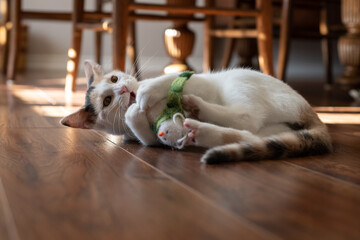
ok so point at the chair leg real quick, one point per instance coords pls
(208, 41)
(326, 54)
(98, 39)
(284, 42)
(264, 26)
(74, 51)
(14, 43)
(120, 32)
(326, 45)
(132, 50)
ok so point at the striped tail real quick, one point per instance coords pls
(313, 139)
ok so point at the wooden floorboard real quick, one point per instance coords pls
(290, 201)
(61, 183)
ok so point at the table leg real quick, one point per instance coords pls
(179, 41)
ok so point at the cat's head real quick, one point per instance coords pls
(108, 96)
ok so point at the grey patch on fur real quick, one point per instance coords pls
(91, 80)
(295, 126)
(88, 105)
(214, 156)
(276, 147)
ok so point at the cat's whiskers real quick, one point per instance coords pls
(127, 131)
(115, 117)
(137, 60)
(143, 67)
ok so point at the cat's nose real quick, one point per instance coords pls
(123, 90)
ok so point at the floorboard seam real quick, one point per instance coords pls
(9, 218)
(322, 174)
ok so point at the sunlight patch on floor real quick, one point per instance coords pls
(50, 111)
(340, 118)
(339, 115)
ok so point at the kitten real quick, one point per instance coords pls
(241, 114)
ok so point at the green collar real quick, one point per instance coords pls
(174, 100)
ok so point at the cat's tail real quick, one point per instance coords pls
(311, 138)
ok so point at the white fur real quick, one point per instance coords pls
(239, 98)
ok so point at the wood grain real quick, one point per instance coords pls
(298, 203)
(60, 186)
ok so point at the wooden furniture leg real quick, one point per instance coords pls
(264, 26)
(349, 44)
(120, 32)
(132, 50)
(208, 40)
(326, 45)
(98, 39)
(284, 41)
(15, 7)
(4, 36)
(326, 50)
(179, 41)
(74, 51)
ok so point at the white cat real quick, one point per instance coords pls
(242, 114)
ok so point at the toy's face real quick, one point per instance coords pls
(172, 134)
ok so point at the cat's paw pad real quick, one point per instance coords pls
(192, 126)
(190, 104)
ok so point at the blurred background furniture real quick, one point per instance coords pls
(15, 18)
(104, 23)
(126, 12)
(293, 19)
(5, 27)
(349, 45)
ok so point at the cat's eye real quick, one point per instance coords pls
(107, 101)
(113, 78)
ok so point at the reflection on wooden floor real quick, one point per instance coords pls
(62, 183)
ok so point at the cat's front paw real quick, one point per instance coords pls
(132, 114)
(147, 96)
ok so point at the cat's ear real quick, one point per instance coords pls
(93, 71)
(79, 119)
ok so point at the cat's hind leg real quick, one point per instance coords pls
(209, 135)
(220, 115)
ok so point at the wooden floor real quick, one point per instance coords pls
(62, 183)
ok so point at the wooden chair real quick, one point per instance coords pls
(16, 17)
(125, 13)
(102, 22)
(324, 30)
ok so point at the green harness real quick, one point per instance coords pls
(174, 100)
